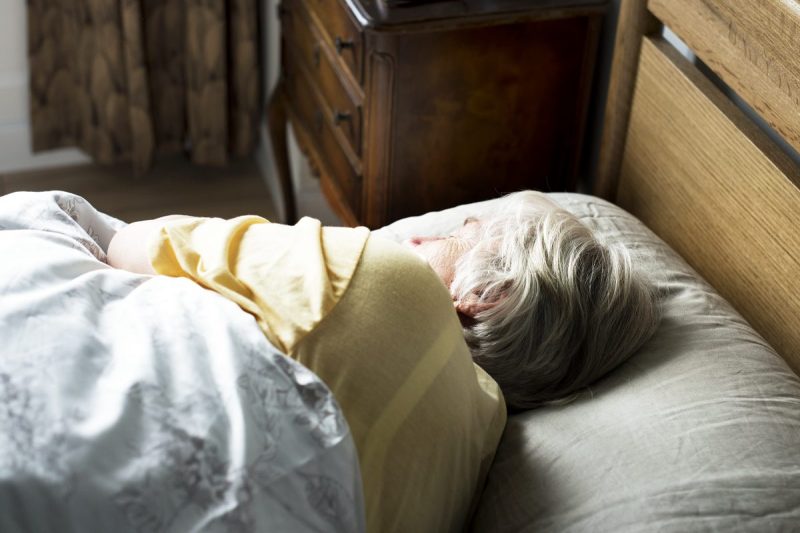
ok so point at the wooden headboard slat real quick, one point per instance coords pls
(753, 45)
(710, 183)
(633, 21)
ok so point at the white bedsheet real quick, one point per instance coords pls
(137, 403)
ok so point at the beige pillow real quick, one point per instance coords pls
(700, 430)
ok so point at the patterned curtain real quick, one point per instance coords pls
(127, 79)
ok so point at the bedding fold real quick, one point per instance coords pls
(139, 403)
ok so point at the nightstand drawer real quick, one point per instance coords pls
(434, 96)
(326, 148)
(343, 35)
(305, 43)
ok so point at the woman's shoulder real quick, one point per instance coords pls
(400, 284)
(397, 265)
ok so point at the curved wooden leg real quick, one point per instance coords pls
(276, 122)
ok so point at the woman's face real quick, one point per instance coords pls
(442, 253)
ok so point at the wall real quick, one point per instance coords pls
(15, 146)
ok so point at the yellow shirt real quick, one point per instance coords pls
(374, 322)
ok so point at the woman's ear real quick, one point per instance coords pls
(471, 305)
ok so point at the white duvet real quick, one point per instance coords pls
(137, 403)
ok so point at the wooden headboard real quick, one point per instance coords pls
(678, 154)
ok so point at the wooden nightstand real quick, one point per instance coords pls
(426, 105)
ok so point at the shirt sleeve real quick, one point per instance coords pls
(288, 277)
(204, 250)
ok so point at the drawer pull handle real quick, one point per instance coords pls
(342, 44)
(340, 116)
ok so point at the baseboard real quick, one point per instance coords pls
(16, 154)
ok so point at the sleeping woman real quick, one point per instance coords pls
(424, 344)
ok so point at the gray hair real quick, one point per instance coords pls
(570, 307)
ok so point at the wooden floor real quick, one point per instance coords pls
(172, 186)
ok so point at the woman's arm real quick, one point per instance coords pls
(128, 248)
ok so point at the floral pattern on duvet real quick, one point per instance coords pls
(135, 403)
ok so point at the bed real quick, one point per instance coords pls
(698, 431)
